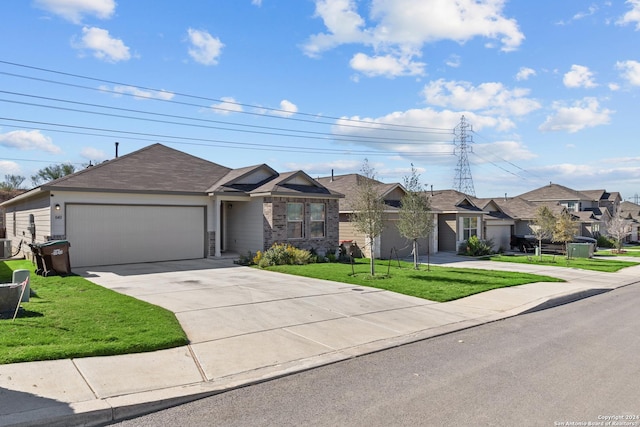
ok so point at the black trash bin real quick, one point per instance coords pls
(55, 256)
(35, 250)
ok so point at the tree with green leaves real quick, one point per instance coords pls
(368, 209)
(543, 226)
(12, 182)
(415, 220)
(565, 230)
(52, 172)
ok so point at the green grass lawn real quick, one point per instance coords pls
(608, 265)
(627, 251)
(439, 284)
(72, 317)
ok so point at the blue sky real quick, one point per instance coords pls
(549, 89)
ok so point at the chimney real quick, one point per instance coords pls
(432, 189)
(505, 197)
(117, 143)
(331, 175)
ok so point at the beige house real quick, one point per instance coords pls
(631, 211)
(390, 243)
(159, 204)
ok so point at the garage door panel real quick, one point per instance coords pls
(122, 234)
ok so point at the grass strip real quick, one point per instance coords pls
(440, 284)
(594, 264)
(72, 317)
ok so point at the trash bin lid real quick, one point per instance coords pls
(54, 242)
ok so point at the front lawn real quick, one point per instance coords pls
(72, 317)
(626, 251)
(440, 284)
(608, 265)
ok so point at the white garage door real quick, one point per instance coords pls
(123, 234)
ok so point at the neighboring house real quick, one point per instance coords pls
(159, 204)
(498, 224)
(459, 218)
(631, 211)
(390, 242)
(591, 208)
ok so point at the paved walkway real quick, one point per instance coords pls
(247, 325)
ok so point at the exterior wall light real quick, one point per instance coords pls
(57, 207)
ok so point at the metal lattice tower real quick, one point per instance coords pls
(463, 181)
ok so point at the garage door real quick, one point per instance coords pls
(123, 234)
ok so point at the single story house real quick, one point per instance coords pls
(159, 204)
(458, 218)
(390, 243)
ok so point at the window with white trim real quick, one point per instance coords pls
(317, 219)
(469, 227)
(295, 220)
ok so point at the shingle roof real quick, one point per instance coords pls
(287, 184)
(347, 184)
(452, 201)
(156, 168)
(554, 192)
(630, 208)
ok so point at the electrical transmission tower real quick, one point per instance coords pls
(463, 181)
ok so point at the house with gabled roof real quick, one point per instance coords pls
(390, 243)
(159, 204)
(631, 212)
(458, 218)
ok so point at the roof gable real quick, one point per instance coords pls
(295, 183)
(554, 192)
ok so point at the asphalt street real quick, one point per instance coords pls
(572, 364)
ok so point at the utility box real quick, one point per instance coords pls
(580, 250)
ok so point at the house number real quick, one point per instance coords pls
(58, 217)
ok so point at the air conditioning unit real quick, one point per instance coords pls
(5, 248)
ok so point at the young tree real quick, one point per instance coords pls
(565, 229)
(52, 172)
(618, 228)
(543, 225)
(12, 182)
(368, 209)
(415, 219)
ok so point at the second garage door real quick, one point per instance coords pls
(123, 234)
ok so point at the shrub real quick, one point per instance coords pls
(476, 247)
(606, 242)
(281, 254)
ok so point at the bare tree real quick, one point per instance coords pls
(52, 172)
(565, 230)
(618, 228)
(368, 210)
(543, 225)
(415, 219)
(12, 182)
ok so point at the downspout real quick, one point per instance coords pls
(217, 203)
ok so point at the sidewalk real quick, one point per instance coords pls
(247, 326)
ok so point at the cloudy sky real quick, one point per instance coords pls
(549, 90)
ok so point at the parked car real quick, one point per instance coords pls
(528, 243)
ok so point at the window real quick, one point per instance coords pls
(295, 220)
(469, 227)
(317, 220)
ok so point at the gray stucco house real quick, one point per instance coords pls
(159, 204)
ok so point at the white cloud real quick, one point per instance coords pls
(630, 71)
(524, 73)
(613, 86)
(503, 150)
(633, 15)
(386, 65)
(400, 28)
(585, 113)
(140, 93)
(28, 140)
(287, 108)
(227, 106)
(104, 46)
(205, 49)
(453, 61)
(74, 10)
(491, 97)
(9, 168)
(256, 2)
(93, 154)
(579, 76)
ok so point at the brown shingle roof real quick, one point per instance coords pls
(554, 192)
(156, 168)
(347, 184)
(452, 201)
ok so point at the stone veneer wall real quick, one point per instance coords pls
(212, 243)
(275, 224)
